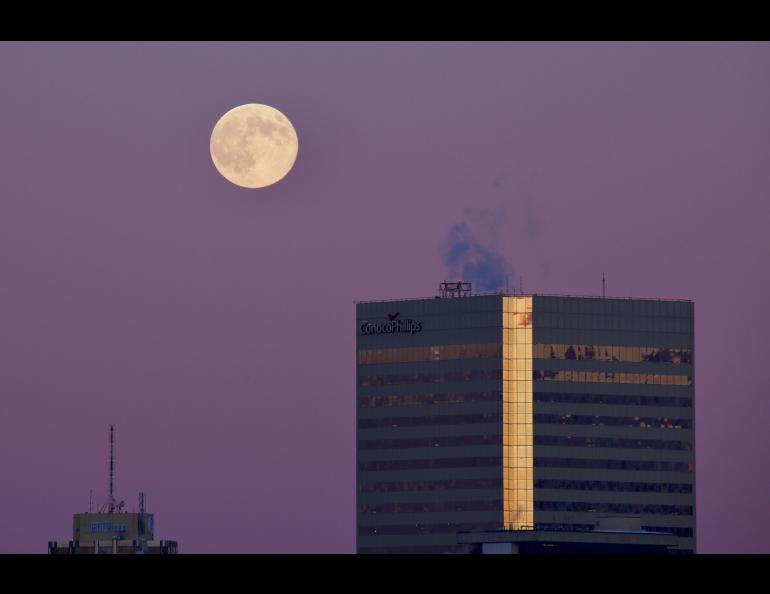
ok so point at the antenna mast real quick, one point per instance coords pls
(111, 502)
(521, 285)
(603, 286)
(141, 502)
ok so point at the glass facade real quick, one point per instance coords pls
(518, 509)
(429, 425)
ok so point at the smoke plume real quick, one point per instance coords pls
(468, 260)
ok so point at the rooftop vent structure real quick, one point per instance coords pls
(454, 289)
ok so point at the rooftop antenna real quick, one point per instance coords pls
(141, 502)
(521, 285)
(90, 500)
(506, 284)
(603, 286)
(111, 501)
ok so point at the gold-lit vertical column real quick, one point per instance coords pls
(518, 484)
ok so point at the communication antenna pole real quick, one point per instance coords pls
(603, 286)
(90, 500)
(521, 285)
(141, 502)
(111, 502)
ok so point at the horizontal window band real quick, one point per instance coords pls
(430, 420)
(633, 487)
(611, 421)
(619, 508)
(545, 440)
(657, 466)
(550, 419)
(430, 485)
(612, 442)
(379, 465)
(429, 398)
(425, 378)
(430, 506)
(426, 442)
(438, 528)
(624, 354)
(611, 377)
(446, 352)
(632, 400)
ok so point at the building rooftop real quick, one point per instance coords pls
(502, 294)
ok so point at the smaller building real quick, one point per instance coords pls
(113, 533)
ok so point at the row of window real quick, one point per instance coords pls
(430, 442)
(626, 354)
(623, 399)
(446, 352)
(549, 419)
(424, 378)
(540, 462)
(608, 377)
(442, 528)
(476, 461)
(614, 508)
(543, 440)
(612, 442)
(496, 504)
(430, 485)
(614, 486)
(602, 421)
(603, 377)
(431, 506)
(430, 420)
(567, 352)
(497, 396)
(609, 322)
(497, 483)
(430, 398)
(655, 466)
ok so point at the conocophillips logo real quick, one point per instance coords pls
(392, 326)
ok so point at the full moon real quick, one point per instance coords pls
(253, 145)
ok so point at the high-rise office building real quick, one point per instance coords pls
(524, 415)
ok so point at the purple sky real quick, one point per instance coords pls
(214, 326)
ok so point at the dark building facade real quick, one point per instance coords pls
(113, 533)
(525, 413)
